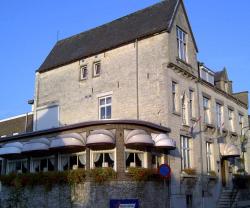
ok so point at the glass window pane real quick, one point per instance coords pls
(108, 112)
(108, 100)
(73, 161)
(102, 113)
(102, 101)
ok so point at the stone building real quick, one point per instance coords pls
(131, 93)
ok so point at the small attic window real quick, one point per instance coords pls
(181, 44)
(84, 72)
(96, 69)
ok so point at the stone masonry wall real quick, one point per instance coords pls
(87, 195)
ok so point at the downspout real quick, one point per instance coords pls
(201, 141)
(137, 80)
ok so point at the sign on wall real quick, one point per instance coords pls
(124, 203)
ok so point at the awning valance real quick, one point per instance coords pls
(229, 150)
(36, 145)
(163, 141)
(138, 138)
(67, 141)
(11, 149)
(101, 137)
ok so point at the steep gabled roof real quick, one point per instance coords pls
(154, 19)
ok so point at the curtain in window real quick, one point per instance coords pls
(96, 156)
(82, 159)
(140, 156)
(111, 155)
(64, 161)
(127, 155)
(36, 164)
(25, 164)
(11, 167)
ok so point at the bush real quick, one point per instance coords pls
(141, 174)
(101, 175)
(46, 179)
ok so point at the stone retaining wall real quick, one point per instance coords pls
(87, 195)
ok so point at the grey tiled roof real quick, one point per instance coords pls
(154, 19)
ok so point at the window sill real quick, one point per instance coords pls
(209, 126)
(185, 175)
(193, 119)
(176, 113)
(83, 79)
(95, 76)
(183, 62)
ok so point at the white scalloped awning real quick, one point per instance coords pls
(67, 141)
(163, 141)
(36, 145)
(11, 149)
(138, 138)
(229, 150)
(100, 137)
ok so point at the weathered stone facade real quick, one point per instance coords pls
(139, 76)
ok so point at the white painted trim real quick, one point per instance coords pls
(15, 117)
(104, 94)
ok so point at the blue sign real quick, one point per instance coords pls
(165, 171)
(124, 203)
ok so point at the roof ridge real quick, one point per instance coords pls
(116, 20)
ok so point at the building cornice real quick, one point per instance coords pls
(187, 72)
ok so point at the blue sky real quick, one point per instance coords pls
(28, 31)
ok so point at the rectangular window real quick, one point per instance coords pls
(17, 166)
(43, 164)
(231, 119)
(219, 118)
(207, 75)
(186, 152)
(97, 69)
(174, 96)
(156, 160)
(206, 109)
(241, 121)
(103, 159)
(84, 72)
(72, 161)
(105, 107)
(181, 44)
(134, 158)
(209, 153)
(191, 103)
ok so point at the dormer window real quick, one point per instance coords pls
(181, 44)
(206, 75)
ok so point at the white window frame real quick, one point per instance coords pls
(181, 44)
(60, 167)
(33, 159)
(241, 120)
(95, 65)
(105, 105)
(174, 96)
(144, 162)
(92, 152)
(186, 152)
(191, 103)
(209, 156)
(83, 75)
(16, 161)
(231, 119)
(206, 109)
(219, 115)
